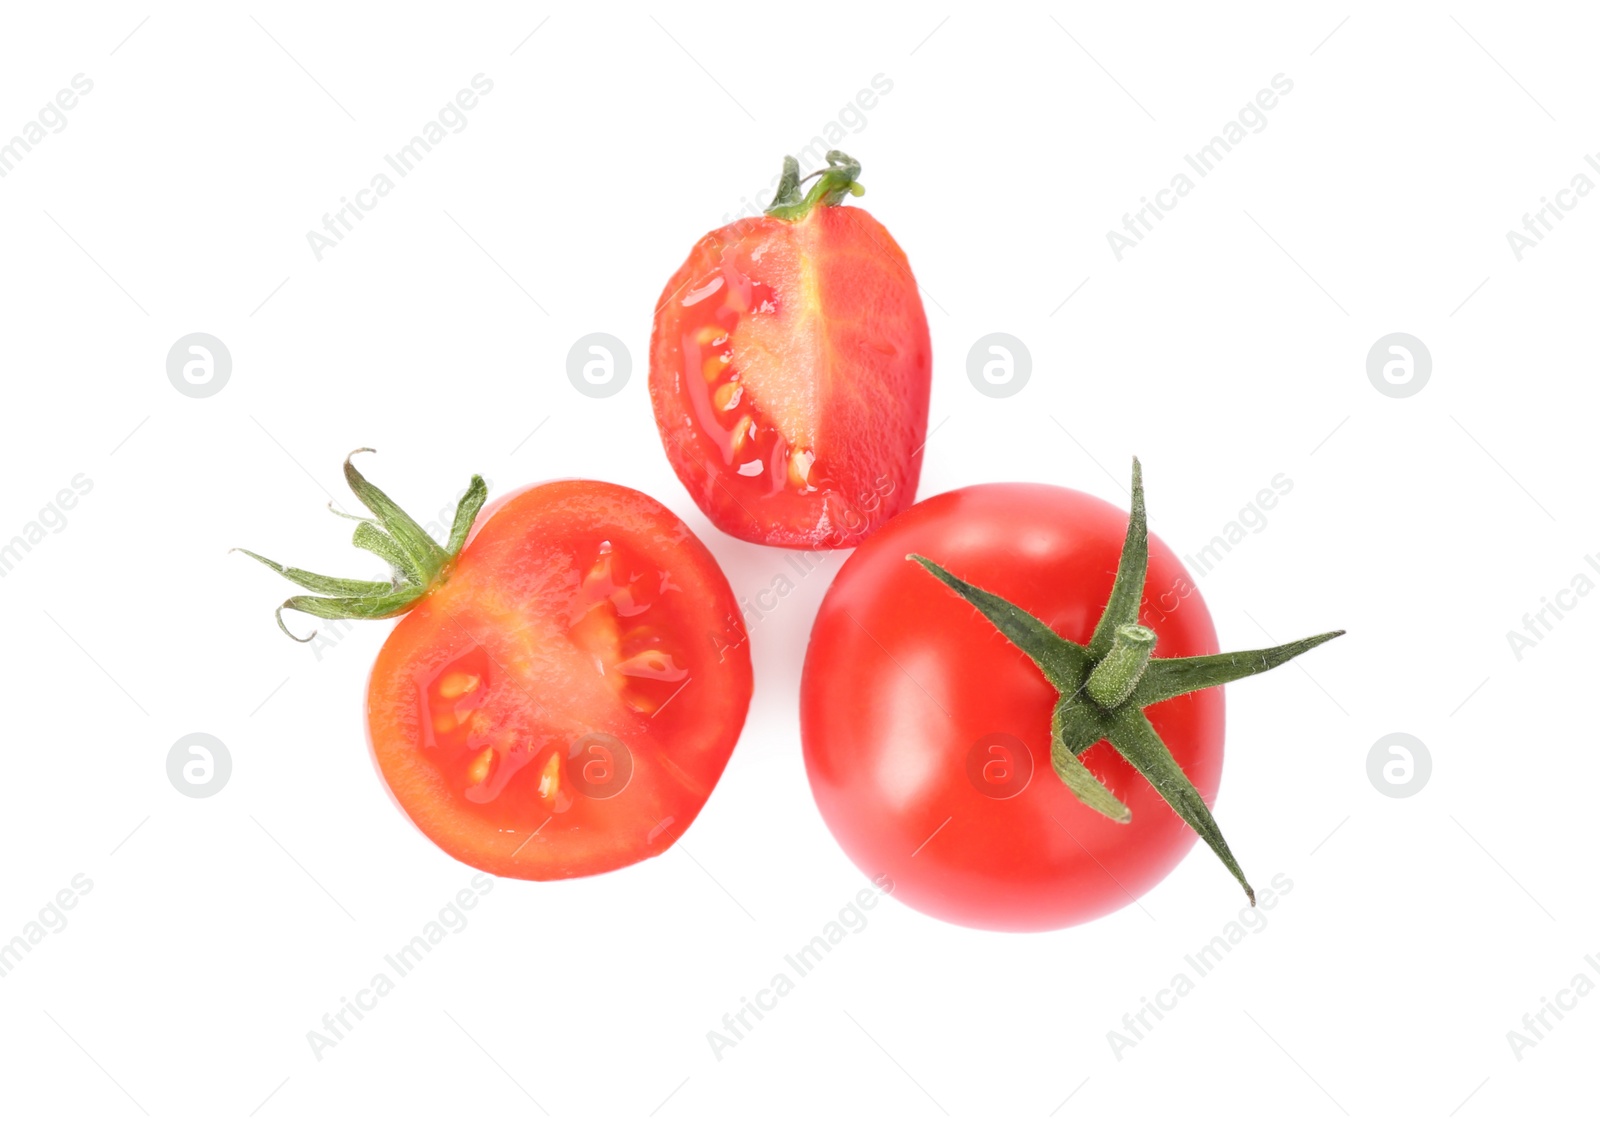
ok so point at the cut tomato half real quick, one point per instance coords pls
(565, 701)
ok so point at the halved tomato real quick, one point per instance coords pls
(560, 699)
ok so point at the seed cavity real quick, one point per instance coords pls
(625, 646)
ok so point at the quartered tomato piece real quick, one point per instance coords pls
(567, 683)
(789, 370)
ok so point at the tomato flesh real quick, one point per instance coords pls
(565, 701)
(790, 365)
(926, 732)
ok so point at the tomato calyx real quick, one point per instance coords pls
(833, 183)
(1105, 685)
(418, 563)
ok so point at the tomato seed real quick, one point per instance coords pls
(550, 780)
(482, 766)
(800, 462)
(457, 684)
(651, 663)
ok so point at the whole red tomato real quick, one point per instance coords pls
(789, 369)
(928, 733)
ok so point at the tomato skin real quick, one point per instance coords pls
(819, 326)
(560, 591)
(903, 679)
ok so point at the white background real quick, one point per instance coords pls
(1228, 347)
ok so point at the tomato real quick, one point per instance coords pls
(562, 696)
(1037, 776)
(927, 733)
(789, 371)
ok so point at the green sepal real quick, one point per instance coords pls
(1166, 677)
(1136, 740)
(416, 544)
(466, 514)
(371, 537)
(393, 604)
(1074, 728)
(1078, 723)
(1127, 592)
(1064, 663)
(322, 583)
(788, 193)
(417, 562)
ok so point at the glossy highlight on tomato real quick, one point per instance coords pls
(789, 373)
(927, 733)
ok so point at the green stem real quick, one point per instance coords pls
(1115, 677)
(832, 184)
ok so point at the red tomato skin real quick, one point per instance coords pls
(515, 560)
(833, 288)
(902, 677)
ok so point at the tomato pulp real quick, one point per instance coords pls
(927, 733)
